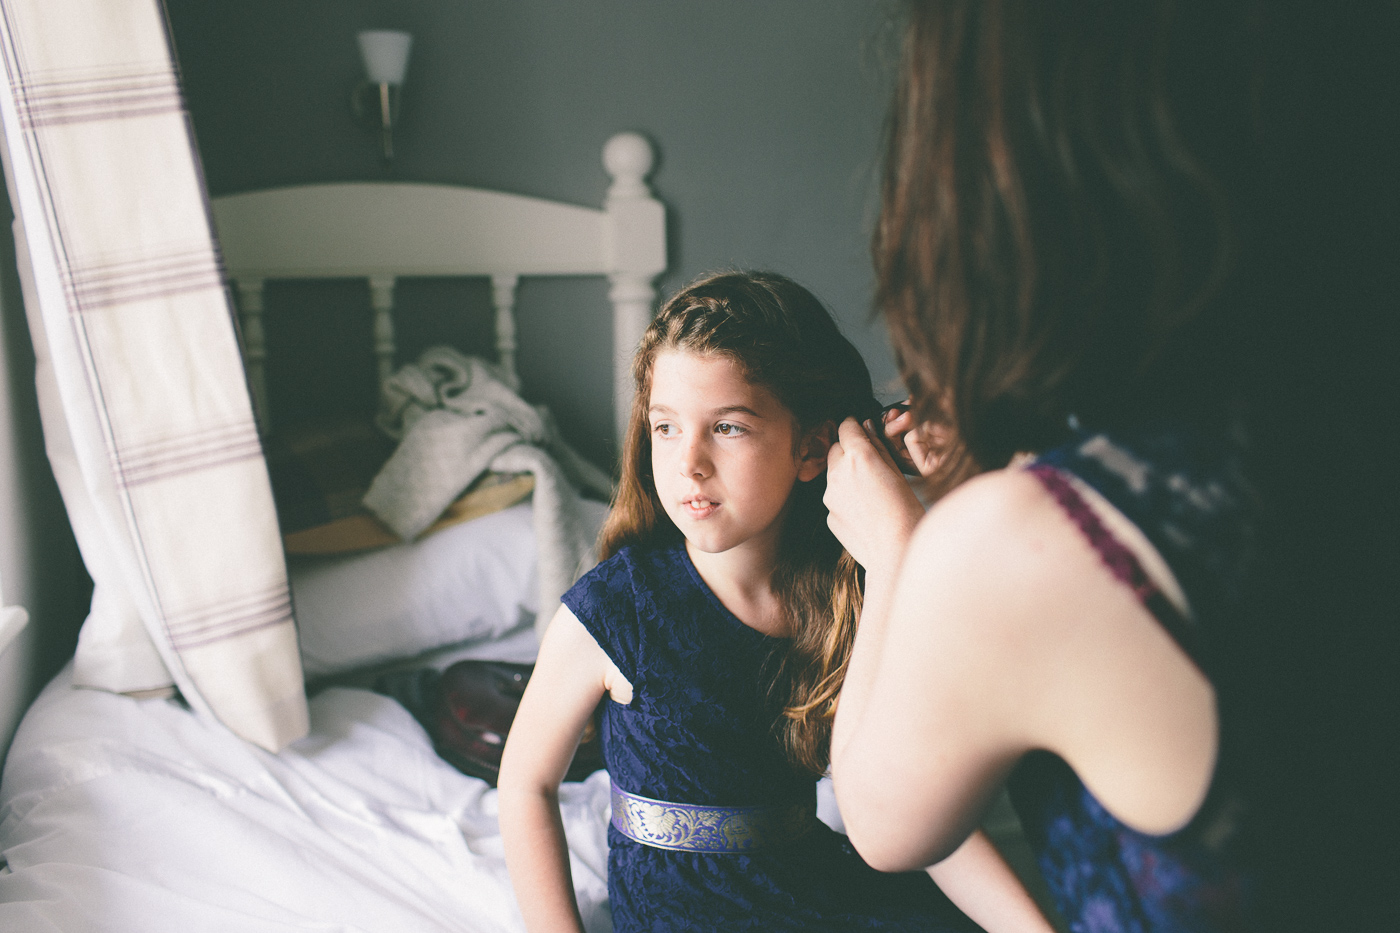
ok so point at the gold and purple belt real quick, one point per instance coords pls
(690, 828)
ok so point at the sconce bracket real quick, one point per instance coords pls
(376, 107)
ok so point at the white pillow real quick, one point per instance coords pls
(469, 581)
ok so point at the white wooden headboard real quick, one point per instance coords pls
(384, 230)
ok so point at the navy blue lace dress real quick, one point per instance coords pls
(1187, 496)
(699, 730)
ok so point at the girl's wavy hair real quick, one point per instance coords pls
(1061, 228)
(785, 340)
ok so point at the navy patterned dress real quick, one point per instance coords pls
(699, 730)
(1187, 496)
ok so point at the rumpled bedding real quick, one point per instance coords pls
(455, 418)
(119, 814)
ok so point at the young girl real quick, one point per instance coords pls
(718, 625)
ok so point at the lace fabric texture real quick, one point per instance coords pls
(699, 731)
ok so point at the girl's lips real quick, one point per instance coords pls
(699, 506)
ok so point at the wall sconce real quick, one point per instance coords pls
(376, 100)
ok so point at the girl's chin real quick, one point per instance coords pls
(707, 543)
(719, 542)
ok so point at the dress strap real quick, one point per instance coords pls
(690, 828)
(1120, 561)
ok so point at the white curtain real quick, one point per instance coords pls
(145, 408)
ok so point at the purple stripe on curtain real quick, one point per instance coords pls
(53, 103)
(97, 286)
(230, 619)
(143, 463)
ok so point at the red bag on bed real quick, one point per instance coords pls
(467, 710)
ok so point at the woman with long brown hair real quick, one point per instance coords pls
(1148, 243)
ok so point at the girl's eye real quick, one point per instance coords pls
(725, 429)
(662, 428)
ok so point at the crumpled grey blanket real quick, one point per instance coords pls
(455, 418)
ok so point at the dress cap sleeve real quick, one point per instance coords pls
(605, 601)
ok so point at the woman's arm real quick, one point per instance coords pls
(1006, 631)
(873, 512)
(569, 679)
(942, 692)
(930, 722)
(978, 880)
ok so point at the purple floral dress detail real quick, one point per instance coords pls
(700, 730)
(1186, 494)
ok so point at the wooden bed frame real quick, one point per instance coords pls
(384, 230)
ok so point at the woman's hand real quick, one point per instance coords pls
(911, 442)
(873, 510)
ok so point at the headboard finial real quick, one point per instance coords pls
(635, 246)
(628, 157)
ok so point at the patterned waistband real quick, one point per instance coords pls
(691, 828)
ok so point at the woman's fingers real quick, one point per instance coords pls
(898, 420)
(918, 443)
(899, 428)
(924, 444)
(871, 508)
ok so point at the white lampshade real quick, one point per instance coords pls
(385, 52)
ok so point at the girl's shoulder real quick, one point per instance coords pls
(635, 563)
(604, 583)
(622, 596)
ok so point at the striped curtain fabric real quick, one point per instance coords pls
(145, 407)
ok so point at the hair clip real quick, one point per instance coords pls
(901, 459)
(899, 407)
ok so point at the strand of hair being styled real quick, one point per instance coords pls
(785, 340)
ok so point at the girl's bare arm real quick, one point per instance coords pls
(569, 679)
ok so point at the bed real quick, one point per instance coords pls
(119, 812)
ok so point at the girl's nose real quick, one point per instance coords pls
(695, 460)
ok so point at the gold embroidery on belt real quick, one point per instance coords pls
(691, 828)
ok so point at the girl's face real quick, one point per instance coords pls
(724, 453)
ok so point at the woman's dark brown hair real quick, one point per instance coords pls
(784, 340)
(1052, 229)
(1184, 213)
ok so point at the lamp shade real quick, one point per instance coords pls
(385, 52)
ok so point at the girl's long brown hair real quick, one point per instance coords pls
(784, 340)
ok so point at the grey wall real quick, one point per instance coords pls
(767, 116)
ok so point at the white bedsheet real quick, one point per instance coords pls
(119, 814)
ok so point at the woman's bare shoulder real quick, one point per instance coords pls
(995, 502)
(1035, 627)
(994, 534)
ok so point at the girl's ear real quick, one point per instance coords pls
(813, 449)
